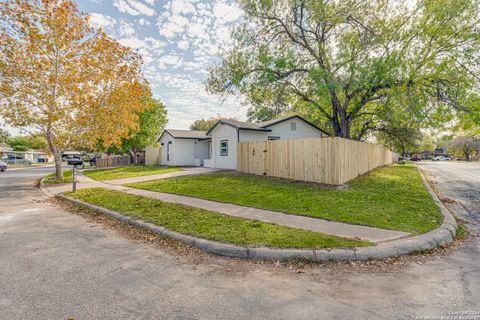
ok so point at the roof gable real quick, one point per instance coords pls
(270, 123)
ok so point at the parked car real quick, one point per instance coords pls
(415, 158)
(75, 161)
(3, 166)
(17, 161)
(441, 158)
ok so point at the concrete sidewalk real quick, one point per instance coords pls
(185, 172)
(301, 222)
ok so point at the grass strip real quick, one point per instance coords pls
(67, 178)
(211, 225)
(392, 197)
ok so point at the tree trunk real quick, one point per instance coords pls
(133, 154)
(345, 125)
(57, 156)
(58, 166)
(467, 155)
(340, 120)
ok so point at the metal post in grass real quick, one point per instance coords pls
(74, 178)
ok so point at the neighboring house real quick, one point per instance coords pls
(31, 155)
(183, 147)
(441, 152)
(225, 135)
(425, 155)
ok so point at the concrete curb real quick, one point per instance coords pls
(395, 248)
(44, 188)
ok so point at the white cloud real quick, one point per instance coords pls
(143, 22)
(126, 29)
(133, 7)
(205, 26)
(226, 12)
(98, 20)
(172, 25)
(182, 7)
(133, 43)
(183, 44)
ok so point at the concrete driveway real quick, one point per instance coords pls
(58, 265)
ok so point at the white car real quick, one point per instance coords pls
(3, 166)
(441, 158)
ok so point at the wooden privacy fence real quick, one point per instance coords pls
(114, 161)
(323, 160)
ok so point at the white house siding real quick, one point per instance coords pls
(283, 131)
(223, 132)
(184, 152)
(304, 130)
(249, 135)
(181, 151)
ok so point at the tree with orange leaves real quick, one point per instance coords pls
(62, 77)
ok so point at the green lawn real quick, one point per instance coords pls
(392, 197)
(211, 225)
(127, 172)
(67, 178)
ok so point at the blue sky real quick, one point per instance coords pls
(178, 40)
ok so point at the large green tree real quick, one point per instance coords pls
(33, 141)
(206, 124)
(349, 63)
(466, 146)
(152, 121)
(400, 139)
(4, 136)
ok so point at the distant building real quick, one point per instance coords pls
(440, 152)
(30, 155)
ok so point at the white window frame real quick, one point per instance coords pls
(224, 150)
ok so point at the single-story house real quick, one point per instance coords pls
(30, 155)
(217, 147)
(183, 147)
(225, 135)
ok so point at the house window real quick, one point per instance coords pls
(293, 126)
(273, 138)
(223, 147)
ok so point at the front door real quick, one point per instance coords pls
(168, 150)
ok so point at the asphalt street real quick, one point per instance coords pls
(58, 265)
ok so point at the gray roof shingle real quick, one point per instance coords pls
(187, 134)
